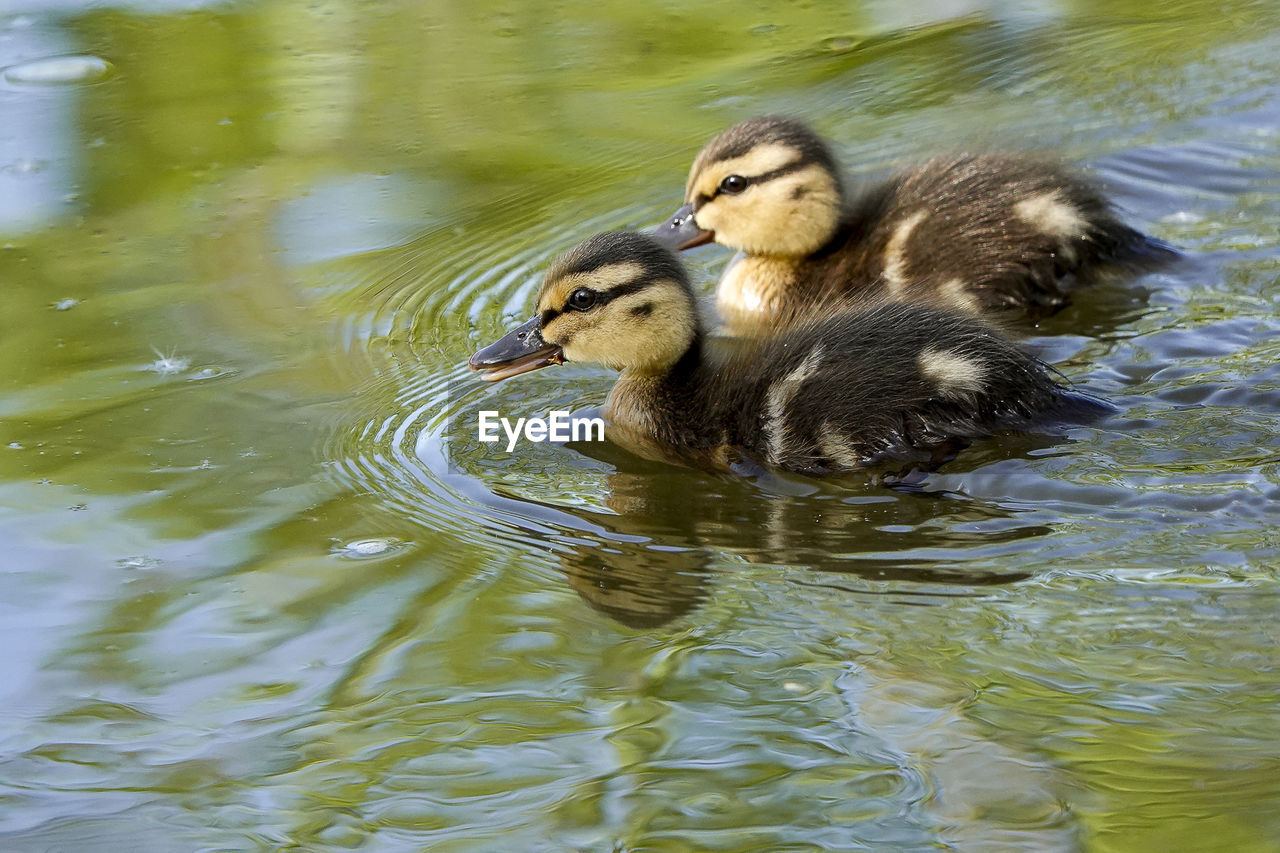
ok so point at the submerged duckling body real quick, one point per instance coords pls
(982, 234)
(898, 381)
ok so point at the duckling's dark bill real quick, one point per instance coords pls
(681, 231)
(519, 351)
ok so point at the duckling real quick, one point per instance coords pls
(982, 234)
(894, 382)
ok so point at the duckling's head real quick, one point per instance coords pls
(766, 186)
(619, 299)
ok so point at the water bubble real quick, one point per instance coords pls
(138, 561)
(65, 304)
(839, 44)
(25, 166)
(59, 71)
(364, 549)
(210, 373)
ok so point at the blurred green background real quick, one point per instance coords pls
(261, 589)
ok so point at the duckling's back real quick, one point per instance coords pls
(982, 234)
(899, 381)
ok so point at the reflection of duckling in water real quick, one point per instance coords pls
(654, 562)
(982, 234)
(897, 382)
(637, 585)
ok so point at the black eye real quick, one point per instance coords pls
(733, 184)
(582, 299)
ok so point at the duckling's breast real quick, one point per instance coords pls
(755, 292)
(629, 418)
(650, 417)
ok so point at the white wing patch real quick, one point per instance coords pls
(1049, 214)
(957, 375)
(836, 448)
(895, 253)
(780, 394)
(957, 293)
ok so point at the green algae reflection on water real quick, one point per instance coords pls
(263, 589)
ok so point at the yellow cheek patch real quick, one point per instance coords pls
(789, 216)
(562, 328)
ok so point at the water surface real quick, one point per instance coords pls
(263, 590)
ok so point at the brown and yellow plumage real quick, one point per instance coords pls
(898, 381)
(982, 234)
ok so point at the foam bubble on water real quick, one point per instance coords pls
(138, 561)
(65, 304)
(59, 71)
(25, 166)
(210, 372)
(363, 549)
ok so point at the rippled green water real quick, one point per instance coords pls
(261, 589)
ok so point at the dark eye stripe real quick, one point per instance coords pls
(793, 166)
(605, 297)
(626, 289)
